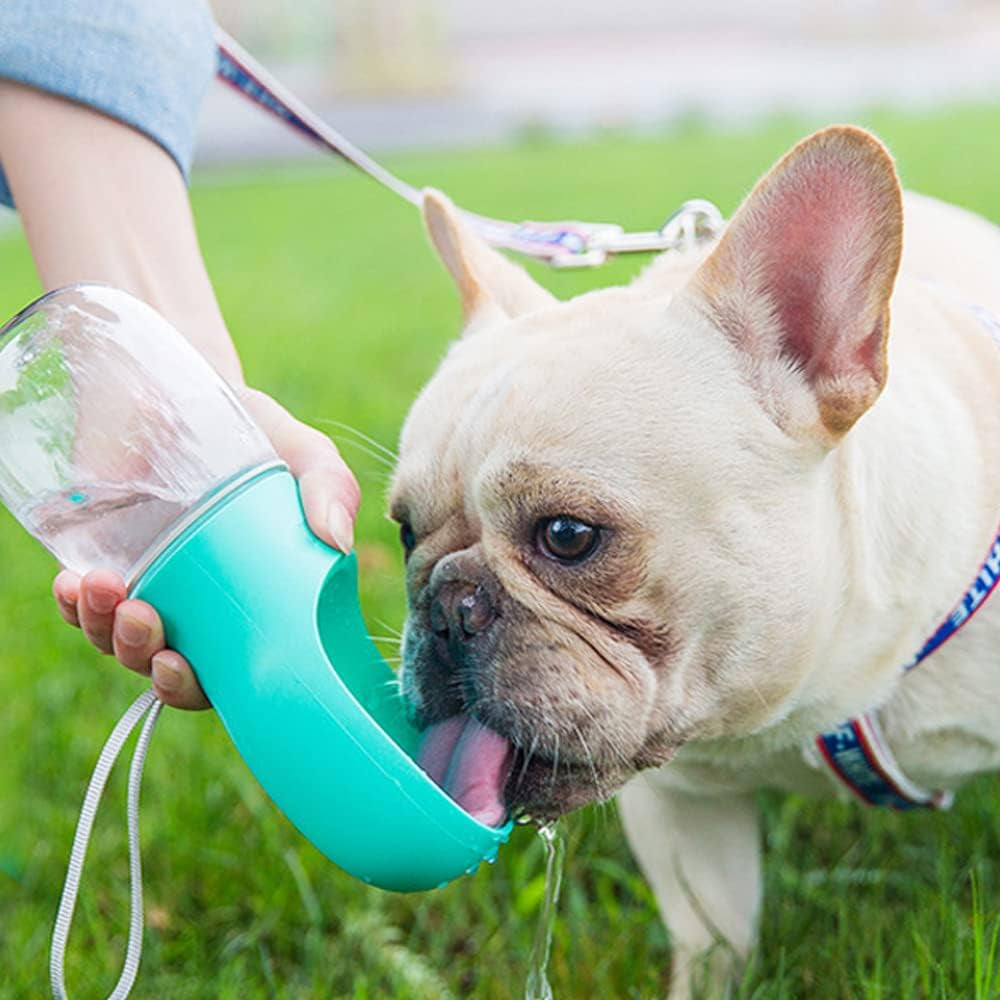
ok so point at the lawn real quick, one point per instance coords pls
(340, 310)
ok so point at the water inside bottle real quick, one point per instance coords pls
(538, 987)
(101, 525)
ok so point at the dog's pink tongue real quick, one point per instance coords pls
(438, 745)
(470, 762)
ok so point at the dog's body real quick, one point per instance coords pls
(692, 823)
(773, 524)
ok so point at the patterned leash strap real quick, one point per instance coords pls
(561, 244)
(147, 706)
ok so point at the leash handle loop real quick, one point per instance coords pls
(148, 705)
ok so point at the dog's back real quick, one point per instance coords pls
(952, 246)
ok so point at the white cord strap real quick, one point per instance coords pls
(146, 702)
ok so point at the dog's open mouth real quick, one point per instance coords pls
(491, 778)
(471, 763)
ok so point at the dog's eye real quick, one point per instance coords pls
(406, 537)
(566, 539)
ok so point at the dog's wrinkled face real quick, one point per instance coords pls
(607, 503)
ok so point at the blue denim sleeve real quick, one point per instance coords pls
(145, 62)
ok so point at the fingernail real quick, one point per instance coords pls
(101, 602)
(341, 527)
(167, 676)
(131, 631)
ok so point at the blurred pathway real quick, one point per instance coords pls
(572, 84)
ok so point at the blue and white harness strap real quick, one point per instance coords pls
(856, 752)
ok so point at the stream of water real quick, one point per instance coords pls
(554, 838)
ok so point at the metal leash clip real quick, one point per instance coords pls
(589, 244)
(696, 221)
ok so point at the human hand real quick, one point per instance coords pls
(134, 230)
(132, 631)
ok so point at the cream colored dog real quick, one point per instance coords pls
(683, 526)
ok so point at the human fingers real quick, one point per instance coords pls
(66, 590)
(136, 636)
(330, 493)
(101, 591)
(174, 681)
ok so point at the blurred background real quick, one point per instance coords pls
(521, 109)
(427, 73)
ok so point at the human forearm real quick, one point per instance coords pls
(100, 201)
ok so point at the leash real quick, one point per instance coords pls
(561, 244)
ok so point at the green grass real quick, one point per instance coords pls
(340, 310)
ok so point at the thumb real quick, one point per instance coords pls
(330, 493)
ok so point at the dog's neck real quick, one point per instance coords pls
(914, 521)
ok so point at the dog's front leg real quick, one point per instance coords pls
(701, 855)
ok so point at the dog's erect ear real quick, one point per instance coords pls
(491, 286)
(802, 276)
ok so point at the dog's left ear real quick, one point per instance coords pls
(800, 280)
(491, 287)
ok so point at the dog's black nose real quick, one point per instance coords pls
(461, 609)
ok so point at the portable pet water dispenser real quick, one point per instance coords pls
(121, 448)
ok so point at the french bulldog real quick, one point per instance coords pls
(681, 527)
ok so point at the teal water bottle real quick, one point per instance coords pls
(122, 449)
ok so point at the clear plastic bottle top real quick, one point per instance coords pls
(113, 428)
